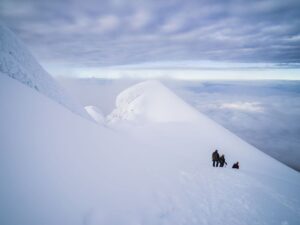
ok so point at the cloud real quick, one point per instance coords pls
(243, 106)
(104, 33)
(107, 23)
(139, 19)
(173, 24)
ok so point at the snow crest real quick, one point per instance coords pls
(95, 113)
(151, 101)
(18, 63)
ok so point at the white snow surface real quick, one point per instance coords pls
(17, 62)
(150, 101)
(57, 168)
(95, 113)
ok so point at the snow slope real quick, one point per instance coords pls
(18, 63)
(58, 169)
(152, 106)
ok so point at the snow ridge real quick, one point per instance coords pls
(18, 63)
(95, 113)
(151, 101)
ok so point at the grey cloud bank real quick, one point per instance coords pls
(105, 33)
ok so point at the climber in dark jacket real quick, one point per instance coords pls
(222, 161)
(215, 158)
(236, 165)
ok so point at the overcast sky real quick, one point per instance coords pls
(72, 35)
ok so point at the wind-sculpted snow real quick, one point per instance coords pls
(18, 63)
(95, 113)
(59, 169)
(150, 101)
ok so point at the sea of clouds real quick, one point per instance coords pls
(264, 113)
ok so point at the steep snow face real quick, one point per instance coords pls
(59, 169)
(17, 62)
(150, 101)
(95, 113)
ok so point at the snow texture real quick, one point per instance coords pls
(59, 169)
(150, 101)
(95, 113)
(18, 63)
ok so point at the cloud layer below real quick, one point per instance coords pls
(264, 113)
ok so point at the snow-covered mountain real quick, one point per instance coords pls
(58, 168)
(18, 63)
(149, 106)
(151, 102)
